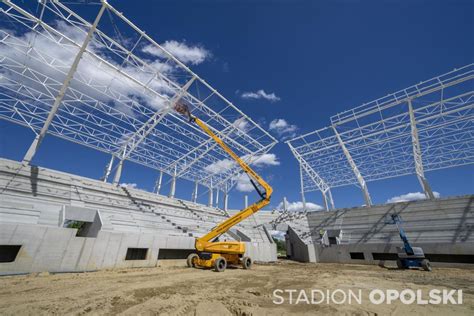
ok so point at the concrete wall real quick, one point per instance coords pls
(443, 227)
(56, 249)
(298, 250)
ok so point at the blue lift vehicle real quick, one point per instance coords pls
(408, 256)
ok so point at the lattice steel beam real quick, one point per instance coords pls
(417, 155)
(40, 136)
(426, 127)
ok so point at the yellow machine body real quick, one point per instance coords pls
(210, 251)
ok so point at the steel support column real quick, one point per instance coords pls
(210, 201)
(417, 155)
(226, 199)
(303, 198)
(173, 184)
(158, 183)
(195, 192)
(57, 101)
(109, 169)
(360, 178)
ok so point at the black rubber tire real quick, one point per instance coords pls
(400, 264)
(426, 265)
(246, 263)
(190, 260)
(220, 264)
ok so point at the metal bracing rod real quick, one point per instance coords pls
(356, 171)
(109, 168)
(417, 155)
(39, 138)
(147, 127)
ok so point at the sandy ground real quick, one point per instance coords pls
(177, 290)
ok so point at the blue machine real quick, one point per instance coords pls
(408, 256)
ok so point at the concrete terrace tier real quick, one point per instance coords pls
(444, 228)
(36, 203)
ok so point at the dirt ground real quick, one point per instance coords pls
(178, 290)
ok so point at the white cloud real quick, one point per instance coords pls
(298, 207)
(283, 128)
(128, 185)
(224, 165)
(260, 94)
(243, 183)
(94, 79)
(412, 196)
(265, 160)
(187, 54)
(220, 166)
(278, 234)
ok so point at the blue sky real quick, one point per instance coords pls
(318, 57)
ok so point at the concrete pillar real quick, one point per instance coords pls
(246, 201)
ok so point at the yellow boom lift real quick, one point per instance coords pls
(212, 253)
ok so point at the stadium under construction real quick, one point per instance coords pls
(107, 85)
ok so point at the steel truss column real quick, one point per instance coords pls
(226, 198)
(210, 201)
(173, 185)
(417, 155)
(57, 101)
(109, 169)
(356, 171)
(135, 139)
(195, 192)
(158, 183)
(303, 198)
(327, 200)
(320, 183)
(217, 197)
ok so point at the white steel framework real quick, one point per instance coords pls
(109, 86)
(425, 127)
